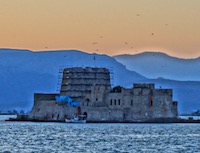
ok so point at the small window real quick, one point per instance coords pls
(131, 102)
(118, 101)
(111, 102)
(88, 99)
(115, 102)
(124, 116)
(150, 101)
(96, 99)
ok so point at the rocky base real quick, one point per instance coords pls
(32, 120)
(158, 121)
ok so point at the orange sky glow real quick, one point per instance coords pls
(102, 26)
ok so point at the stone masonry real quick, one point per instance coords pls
(101, 103)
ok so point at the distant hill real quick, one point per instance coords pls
(23, 72)
(155, 64)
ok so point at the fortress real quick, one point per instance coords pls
(90, 90)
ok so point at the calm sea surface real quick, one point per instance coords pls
(112, 138)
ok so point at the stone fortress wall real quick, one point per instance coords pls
(91, 87)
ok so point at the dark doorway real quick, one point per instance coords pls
(85, 113)
(58, 116)
(124, 116)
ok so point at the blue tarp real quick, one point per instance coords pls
(74, 104)
(68, 101)
(64, 98)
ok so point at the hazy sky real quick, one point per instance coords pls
(102, 26)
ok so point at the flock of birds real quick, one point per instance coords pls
(125, 43)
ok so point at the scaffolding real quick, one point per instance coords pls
(60, 76)
(111, 76)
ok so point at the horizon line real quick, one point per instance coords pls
(84, 51)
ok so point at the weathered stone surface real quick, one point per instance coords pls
(91, 87)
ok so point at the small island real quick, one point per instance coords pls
(87, 91)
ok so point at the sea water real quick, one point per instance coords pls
(112, 138)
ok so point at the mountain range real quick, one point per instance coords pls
(155, 65)
(24, 72)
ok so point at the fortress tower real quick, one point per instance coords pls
(78, 82)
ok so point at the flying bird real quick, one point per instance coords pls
(94, 43)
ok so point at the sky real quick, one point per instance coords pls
(109, 27)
